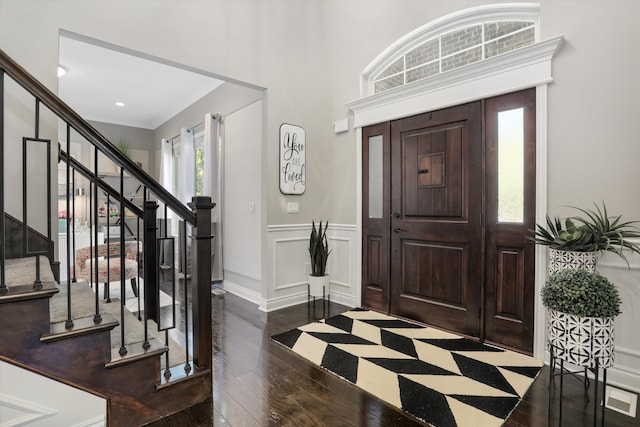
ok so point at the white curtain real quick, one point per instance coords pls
(211, 154)
(186, 181)
(211, 183)
(166, 170)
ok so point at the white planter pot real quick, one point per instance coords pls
(318, 285)
(581, 340)
(560, 260)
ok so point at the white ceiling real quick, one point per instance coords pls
(98, 77)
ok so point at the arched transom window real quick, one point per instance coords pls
(453, 49)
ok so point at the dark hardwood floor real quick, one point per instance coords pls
(258, 382)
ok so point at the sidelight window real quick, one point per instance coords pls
(511, 165)
(376, 178)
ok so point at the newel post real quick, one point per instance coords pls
(150, 262)
(201, 281)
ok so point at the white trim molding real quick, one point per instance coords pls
(523, 68)
(288, 257)
(455, 20)
(23, 412)
(527, 67)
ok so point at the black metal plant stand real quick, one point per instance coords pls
(563, 371)
(326, 301)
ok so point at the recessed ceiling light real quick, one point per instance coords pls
(61, 71)
(119, 104)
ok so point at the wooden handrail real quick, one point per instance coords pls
(60, 108)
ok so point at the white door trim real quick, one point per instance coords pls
(524, 68)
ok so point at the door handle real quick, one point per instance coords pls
(397, 230)
(396, 215)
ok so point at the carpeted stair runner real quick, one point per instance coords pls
(21, 271)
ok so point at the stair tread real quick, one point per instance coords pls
(82, 326)
(83, 299)
(22, 271)
(27, 292)
(136, 352)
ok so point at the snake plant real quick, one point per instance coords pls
(319, 249)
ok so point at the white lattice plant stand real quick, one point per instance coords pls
(584, 341)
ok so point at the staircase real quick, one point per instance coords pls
(65, 330)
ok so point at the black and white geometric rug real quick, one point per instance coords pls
(438, 377)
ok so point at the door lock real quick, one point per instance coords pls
(397, 230)
(396, 215)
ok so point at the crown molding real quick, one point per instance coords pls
(526, 67)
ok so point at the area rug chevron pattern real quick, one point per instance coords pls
(438, 377)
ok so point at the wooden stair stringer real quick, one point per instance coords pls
(83, 359)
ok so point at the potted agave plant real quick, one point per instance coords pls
(581, 308)
(319, 254)
(578, 242)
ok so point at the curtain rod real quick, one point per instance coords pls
(191, 129)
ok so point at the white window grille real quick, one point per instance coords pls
(453, 49)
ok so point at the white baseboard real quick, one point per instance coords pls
(623, 374)
(94, 422)
(244, 293)
(287, 300)
(343, 298)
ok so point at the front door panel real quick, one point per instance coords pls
(448, 199)
(436, 201)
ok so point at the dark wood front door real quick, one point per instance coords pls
(444, 238)
(436, 203)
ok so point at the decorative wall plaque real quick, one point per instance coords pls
(292, 159)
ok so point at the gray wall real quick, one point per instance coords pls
(225, 99)
(309, 56)
(135, 138)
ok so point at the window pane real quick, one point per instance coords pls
(375, 177)
(511, 165)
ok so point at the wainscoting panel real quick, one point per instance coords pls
(29, 399)
(626, 370)
(288, 258)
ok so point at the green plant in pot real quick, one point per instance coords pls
(581, 308)
(578, 241)
(319, 254)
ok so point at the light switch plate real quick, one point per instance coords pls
(293, 207)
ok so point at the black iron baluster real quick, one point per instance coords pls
(36, 126)
(123, 347)
(138, 262)
(3, 284)
(91, 235)
(37, 284)
(97, 318)
(72, 257)
(69, 323)
(145, 278)
(107, 290)
(167, 371)
(162, 243)
(187, 365)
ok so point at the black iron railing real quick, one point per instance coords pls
(144, 259)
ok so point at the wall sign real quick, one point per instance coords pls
(292, 159)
